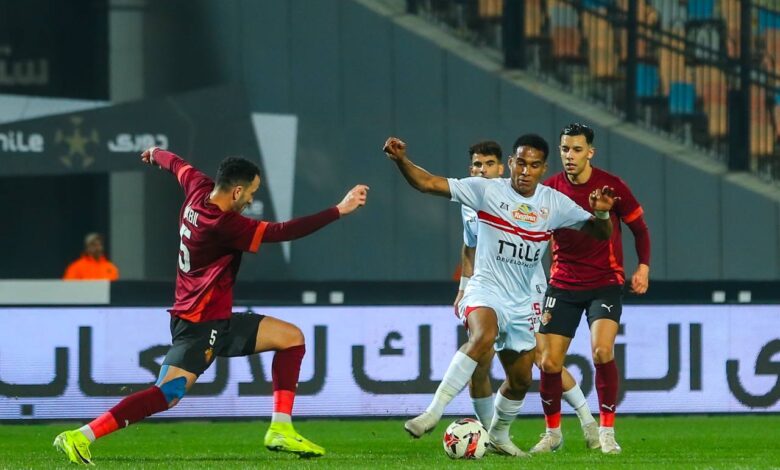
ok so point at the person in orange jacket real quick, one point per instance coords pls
(93, 264)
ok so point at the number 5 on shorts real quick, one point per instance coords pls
(213, 337)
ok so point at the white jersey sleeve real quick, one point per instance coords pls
(468, 191)
(469, 226)
(568, 214)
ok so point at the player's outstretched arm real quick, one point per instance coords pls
(355, 198)
(417, 177)
(601, 201)
(302, 226)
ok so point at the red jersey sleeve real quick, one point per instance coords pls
(627, 208)
(631, 213)
(239, 232)
(188, 176)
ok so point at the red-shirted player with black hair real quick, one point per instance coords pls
(214, 235)
(587, 275)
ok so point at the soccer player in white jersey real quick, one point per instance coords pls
(516, 218)
(486, 161)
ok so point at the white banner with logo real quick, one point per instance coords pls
(379, 361)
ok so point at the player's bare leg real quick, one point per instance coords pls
(602, 339)
(483, 328)
(554, 349)
(572, 394)
(171, 386)
(481, 390)
(509, 399)
(288, 342)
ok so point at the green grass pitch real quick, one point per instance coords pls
(648, 442)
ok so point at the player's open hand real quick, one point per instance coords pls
(148, 155)
(603, 199)
(356, 197)
(640, 279)
(395, 148)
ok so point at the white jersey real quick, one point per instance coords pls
(470, 222)
(470, 227)
(513, 233)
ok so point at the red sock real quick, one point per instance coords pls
(607, 388)
(130, 410)
(551, 389)
(285, 370)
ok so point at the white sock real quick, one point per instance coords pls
(457, 376)
(280, 418)
(608, 429)
(483, 408)
(87, 431)
(506, 412)
(576, 399)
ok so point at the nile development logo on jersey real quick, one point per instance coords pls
(525, 213)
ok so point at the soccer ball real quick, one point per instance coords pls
(465, 439)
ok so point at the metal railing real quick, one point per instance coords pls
(705, 72)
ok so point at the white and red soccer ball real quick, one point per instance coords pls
(465, 439)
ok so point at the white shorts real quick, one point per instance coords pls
(515, 328)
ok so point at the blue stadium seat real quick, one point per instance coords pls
(768, 20)
(701, 9)
(647, 80)
(595, 4)
(682, 98)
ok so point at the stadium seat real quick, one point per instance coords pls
(566, 43)
(602, 53)
(671, 64)
(565, 35)
(647, 19)
(730, 12)
(671, 14)
(647, 80)
(762, 135)
(771, 40)
(768, 19)
(776, 114)
(490, 9)
(700, 9)
(534, 19)
(712, 88)
(682, 98)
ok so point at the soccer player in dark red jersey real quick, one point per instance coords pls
(587, 275)
(213, 236)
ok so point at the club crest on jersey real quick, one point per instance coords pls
(525, 213)
(544, 212)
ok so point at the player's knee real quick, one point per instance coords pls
(293, 337)
(550, 364)
(519, 385)
(174, 390)
(480, 345)
(602, 354)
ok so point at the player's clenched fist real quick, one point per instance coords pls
(356, 197)
(148, 155)
(395, 148)
(603, 199)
